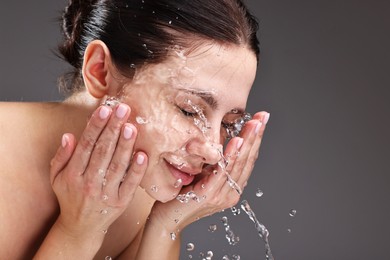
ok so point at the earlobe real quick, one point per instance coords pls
(97, 68)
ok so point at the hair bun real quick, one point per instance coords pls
(73, 15)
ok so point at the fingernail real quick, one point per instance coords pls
(266, 118)
(104, 112)
(127, 132)
(258, 126)
(140, 159)
(240, 142)
(121, 111)
(65, 141)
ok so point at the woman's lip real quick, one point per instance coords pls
(178, 174)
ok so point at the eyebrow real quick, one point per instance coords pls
(206, 96)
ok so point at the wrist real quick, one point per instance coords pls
(75, 236)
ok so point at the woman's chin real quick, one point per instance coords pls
(164, 196)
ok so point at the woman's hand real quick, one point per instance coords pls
(96, 178)
(213, 190)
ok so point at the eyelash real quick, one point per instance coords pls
(187, 113)
(193, 114)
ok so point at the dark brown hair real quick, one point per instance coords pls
(142, 31)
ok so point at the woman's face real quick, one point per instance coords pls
(179, 108)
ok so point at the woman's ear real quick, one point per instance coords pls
(98, 70)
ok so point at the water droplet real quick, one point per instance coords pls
(237, 257)
(170, 22)
(203, 186)
(103, 211)
(178, 183)
(173, 235)
(141, 120)
(104, 231)
(132, 65)
(210, 254)
(235, 211)
(104, 182)
(153, 12)
(190, 246)
(292, 213)
(176, 220)
(111, 101)
(225, 257)
(215, 172)
(108, 258)
(154, 188)
(177, 17)
(289, 230)
(212, 228)
(101, 172)
(105, 197)
(190, 256)
(185, 198)
(137, 222)
(259, 193)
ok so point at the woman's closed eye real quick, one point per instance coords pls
(187, 112)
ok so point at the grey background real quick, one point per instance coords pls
(324, 76)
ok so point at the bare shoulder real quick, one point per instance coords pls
(22, 182)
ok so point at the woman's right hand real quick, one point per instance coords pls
(95, 178)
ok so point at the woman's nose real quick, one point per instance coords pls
(209, 152)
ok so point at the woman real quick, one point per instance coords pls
(134, 154)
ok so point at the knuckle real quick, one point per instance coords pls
(117, 166)
(102, 148)
(87, 141)
(114, 127)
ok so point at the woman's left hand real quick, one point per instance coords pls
(213, 190)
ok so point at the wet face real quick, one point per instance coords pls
(180, 108)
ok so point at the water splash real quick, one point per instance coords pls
(234, 257)
(141, 121)
(178, 183)
(259, 193)
(261, 229)
(204, 126)
(230, 236)
(190, 247)
(154, 188)
(187, 197)
(235, 211)
(212, 228)
(292, 212)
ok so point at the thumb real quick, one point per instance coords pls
(62, 156)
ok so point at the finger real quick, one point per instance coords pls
(62, 156)
(106, 144)
(121, 159)
(88, 139)
(249, 134)
(133, 177)
(254, 152)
